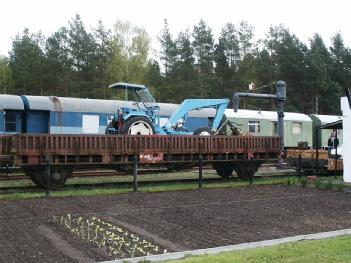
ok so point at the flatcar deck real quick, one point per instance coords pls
(26, 150)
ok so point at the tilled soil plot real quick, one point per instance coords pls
(174, 220)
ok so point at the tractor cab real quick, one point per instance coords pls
(144, 104)
(140, 95)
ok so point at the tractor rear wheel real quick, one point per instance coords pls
(138, 126)
(203, 131)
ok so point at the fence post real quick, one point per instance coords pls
(47, 177)
(200, 171)
(299, 167)
(135, 172)
(251, 169)
(336, 154)
(317, 150)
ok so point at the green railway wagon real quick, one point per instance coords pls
(324, 134)
(297, 126)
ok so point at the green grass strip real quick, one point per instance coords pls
(149, 188)
(316, 251)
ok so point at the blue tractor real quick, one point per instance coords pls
(145, 120)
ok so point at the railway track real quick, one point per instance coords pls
(125, 184)
(16, 174)
(92, 173)
(88, 186)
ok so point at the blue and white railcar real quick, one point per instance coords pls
(67, 115)
(63, 115)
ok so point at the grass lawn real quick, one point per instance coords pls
(316, 251)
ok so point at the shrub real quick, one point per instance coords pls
(340, 186)
(303, 182)
(328, 184)
(318, 183)
(291, 181)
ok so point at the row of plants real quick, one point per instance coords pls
(319, 183)
(107, 237)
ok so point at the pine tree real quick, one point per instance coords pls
(26, 63)
(203, 44)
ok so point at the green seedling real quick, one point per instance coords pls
(107, 237)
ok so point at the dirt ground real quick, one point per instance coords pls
(174, 220)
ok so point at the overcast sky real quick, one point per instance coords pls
(302, 17)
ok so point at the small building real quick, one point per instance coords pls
(346, 112)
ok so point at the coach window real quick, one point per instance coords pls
(90, 123)
(254, 127)
(296, 128)
(274, 128)
(10, 121)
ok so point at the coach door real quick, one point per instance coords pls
(38, 121)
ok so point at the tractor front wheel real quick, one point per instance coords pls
(138, 126)
(203, 131)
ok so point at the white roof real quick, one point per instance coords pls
(68, 104)
(11, 102)
(327, 118)
(38, 102)
(266, 115)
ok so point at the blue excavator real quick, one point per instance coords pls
(144, 119)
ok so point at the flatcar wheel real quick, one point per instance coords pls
(244, 172)
(58, 177)
(225, 174)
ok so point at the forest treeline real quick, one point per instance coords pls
(78, 61)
